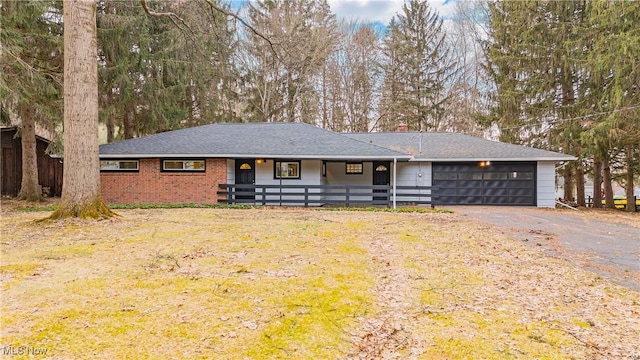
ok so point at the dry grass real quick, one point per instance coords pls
(299, 284)
(611, 215)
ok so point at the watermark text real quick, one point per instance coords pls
(11, 350)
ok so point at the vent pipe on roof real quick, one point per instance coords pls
(420, 144)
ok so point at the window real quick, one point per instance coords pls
(287, 169)
(470, 176)
(444, 176)
(521, 175)
(183, 165)
(354, 168)
(495, 176)
(119, 165)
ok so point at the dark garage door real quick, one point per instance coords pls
(500, 183)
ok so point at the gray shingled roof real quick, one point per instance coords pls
(455, 147)
(268, 140)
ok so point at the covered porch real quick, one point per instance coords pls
(321, 182)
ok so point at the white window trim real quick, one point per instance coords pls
(116, 165)
(278, 165)
(184, 162)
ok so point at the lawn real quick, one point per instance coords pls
(298, 284)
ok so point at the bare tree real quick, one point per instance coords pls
(468, 88)
(351, 81)
(284, 85)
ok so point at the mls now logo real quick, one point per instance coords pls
(10, 350)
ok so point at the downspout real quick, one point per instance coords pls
(395, 166)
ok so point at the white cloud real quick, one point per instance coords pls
(366, 10)
(381, 10)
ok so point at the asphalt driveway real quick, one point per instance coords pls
(598, 243)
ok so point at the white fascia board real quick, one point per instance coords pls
(566, 158)
(246, 156)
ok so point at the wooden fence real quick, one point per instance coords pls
(619, 203)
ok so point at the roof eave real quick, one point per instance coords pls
(559, 158)
(267, 156)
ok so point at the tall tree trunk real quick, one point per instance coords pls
(567, 175)
(191, 101)
(290, 99)
(111, 129)
(606, 179)
(631, 204)
(324, 96)
(580, 199)
(127, 123)
(30, 189)
(81, 189)
(597, 183)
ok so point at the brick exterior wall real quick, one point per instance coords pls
(152, 186)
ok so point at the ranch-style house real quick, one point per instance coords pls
(303, 165)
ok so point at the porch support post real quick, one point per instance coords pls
(395, 172)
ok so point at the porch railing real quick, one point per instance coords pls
(318, 195)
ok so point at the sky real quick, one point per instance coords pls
(373, 11)
(370, 11)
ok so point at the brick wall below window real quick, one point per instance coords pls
(152, 186)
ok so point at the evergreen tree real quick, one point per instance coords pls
(566, 79)
(31, 84)
(417, 68)
(156, 76)
(614, 76)
(81, 187)
(540, 87)
(122, 31)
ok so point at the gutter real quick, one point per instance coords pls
(567, 158)
(251, 156)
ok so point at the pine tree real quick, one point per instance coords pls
(614, 71)
(566, 79)
(81, 188)
(417, 68)
(156, 76)
(540, 87)
(30, 85)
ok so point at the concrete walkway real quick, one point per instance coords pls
(608, 248)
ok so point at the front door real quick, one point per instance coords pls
(381, 176)
(245, 174)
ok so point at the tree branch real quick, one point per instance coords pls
(172, 16)
(244, 23)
